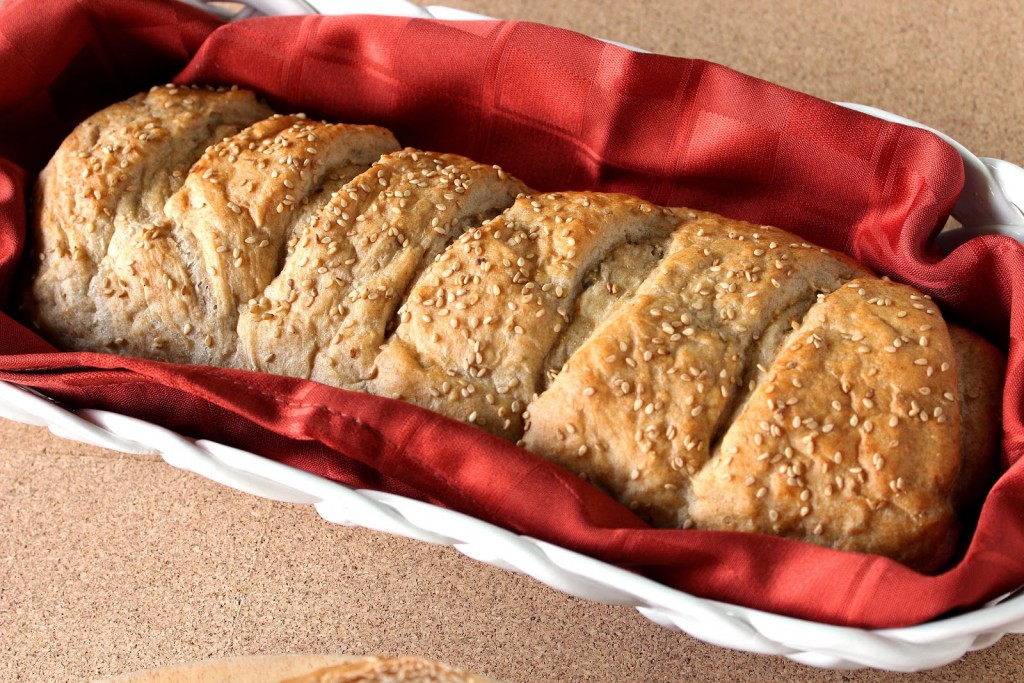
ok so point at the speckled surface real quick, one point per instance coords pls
(112, 563)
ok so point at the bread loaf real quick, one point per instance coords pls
(707, 372)
(294, 668)
(376, 669)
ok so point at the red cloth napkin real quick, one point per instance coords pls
(561, 111)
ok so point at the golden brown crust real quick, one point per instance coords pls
(706, 372)
(477, 326)
(103, 193)
(641, 404)
(243, 200)
(347, 272)
(864, 461)
(980, 369)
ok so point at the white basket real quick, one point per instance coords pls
(900, 649)
(989, 204)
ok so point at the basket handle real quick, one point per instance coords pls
(992, 200)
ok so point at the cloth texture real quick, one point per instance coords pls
(561, 111)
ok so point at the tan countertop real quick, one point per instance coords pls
(111, 563)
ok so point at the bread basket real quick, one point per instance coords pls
(986, 205)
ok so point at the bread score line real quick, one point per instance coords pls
(709, 373)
